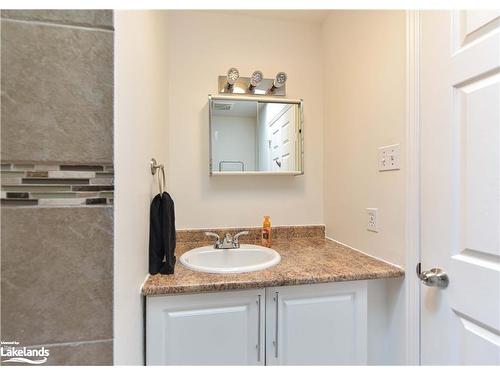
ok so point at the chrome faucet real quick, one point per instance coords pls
(229, 242)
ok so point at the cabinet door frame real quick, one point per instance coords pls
(358, 289)
(158, 306)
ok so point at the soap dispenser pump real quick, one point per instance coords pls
(266, 232)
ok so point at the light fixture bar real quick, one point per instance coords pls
(256, 85)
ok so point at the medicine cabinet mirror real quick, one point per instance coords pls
(256, 136)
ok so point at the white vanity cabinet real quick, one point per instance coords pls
(316, 324)
(206, 329)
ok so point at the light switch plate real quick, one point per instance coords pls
(389, 158)
(372, 224)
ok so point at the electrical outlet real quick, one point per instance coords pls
(389, 158)
(372, 224)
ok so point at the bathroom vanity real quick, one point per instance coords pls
(320, 324)
(295, 313)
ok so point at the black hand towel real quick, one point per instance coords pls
(162, 235)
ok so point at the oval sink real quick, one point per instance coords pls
(247, 258)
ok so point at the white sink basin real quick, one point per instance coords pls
(247, 258)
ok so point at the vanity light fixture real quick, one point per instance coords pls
(256, 84)
(255, 79)
(232, 76)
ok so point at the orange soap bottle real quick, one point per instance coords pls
(266, 232)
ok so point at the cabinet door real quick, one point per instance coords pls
(206, 329)
(320, 324)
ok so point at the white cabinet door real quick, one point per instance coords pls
(224, 328)
(320, 324)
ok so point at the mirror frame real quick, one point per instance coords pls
(258, 99)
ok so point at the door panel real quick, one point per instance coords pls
(324, 330)
(206, 329)
(460, 201)
(275, 130)
(322, 324)
(471, 24)
(479, 119)
(283, 139)
(479, 345)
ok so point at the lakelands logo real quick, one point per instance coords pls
(16, 354)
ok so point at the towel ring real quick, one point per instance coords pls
(154, 168)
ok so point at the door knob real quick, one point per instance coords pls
(433, 277)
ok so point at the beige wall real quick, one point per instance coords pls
(202, 47)
(140, 133)
(365, 93)
(365, 109)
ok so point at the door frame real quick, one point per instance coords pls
(412, 283)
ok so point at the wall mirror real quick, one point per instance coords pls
(256, 136)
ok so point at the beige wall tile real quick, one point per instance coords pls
(91, 353)
(56, 274)
(82, 354)
(89, 18)
(57, 93)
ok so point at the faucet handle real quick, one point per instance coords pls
(216, 236)
(237, 236)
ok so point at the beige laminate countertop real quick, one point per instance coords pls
(303, 261)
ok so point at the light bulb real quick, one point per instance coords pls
(232, 76)
(280, 79)
(256, 78)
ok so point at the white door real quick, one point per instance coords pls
(282, 131)
(321, 324)
(460, 176)
(206, 329)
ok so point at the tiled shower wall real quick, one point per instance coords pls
(57, 183)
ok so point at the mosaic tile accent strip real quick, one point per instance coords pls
(56, 185)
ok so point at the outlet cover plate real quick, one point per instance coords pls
(372, 222)
(389, 158)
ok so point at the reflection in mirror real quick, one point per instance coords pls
(255, 137)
